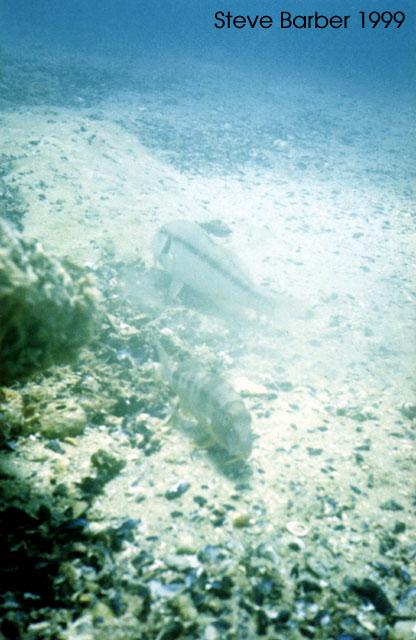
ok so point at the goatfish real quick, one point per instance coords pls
(213, 403)
(187, 253)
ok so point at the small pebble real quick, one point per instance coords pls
(241, 520)
(177, 490)
(404, 630)
(297, 529)
(408, 411)
(186, 549)
(391, 505)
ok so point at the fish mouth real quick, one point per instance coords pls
(240, 448)
(245, 449)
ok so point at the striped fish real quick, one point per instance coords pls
(215, 405)
(187, 253)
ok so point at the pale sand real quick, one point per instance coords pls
(102, 193)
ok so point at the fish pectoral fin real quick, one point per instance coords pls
(232, 460)
(175, 288)
(206, 443)
(204, 438)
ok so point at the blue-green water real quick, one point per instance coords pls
(118, 118)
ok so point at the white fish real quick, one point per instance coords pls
(187, 253)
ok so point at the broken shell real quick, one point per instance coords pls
(241, 520)
(297, 529)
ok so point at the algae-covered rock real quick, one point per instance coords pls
(12, 204)
(47, 308)
(63, 419)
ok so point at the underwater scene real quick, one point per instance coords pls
(207, 320)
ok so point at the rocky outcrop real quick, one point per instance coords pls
(47, 307)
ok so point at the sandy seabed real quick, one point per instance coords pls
(319, 207)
